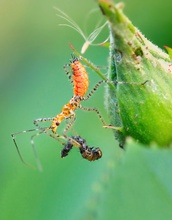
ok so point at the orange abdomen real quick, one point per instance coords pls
(80, 78)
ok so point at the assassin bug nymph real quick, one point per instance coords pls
(79, 78)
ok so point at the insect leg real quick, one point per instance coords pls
(94, 89)
(46, 131)
(37, 121)
(100, 117)
(68, 73)
(17, 148)
(34, 150)
(70, 124)
(108, 81)
(131, 83)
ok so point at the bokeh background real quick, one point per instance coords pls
(33, 50)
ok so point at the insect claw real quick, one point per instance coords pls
(113, 127)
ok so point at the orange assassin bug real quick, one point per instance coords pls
(79, 78)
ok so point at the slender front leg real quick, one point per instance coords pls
(100, 117)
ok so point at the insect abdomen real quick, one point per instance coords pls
(80, 78)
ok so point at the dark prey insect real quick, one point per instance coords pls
(88, 153)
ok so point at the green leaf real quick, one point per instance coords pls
(141, 187)
(143, 110)
(138, 186)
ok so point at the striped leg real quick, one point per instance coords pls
(94, 110)
(94, 89)
(70, 124)
(108, 81)
(39, 120)
(68, 73)
(100, 117)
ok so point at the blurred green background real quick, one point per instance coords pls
(33, 84)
